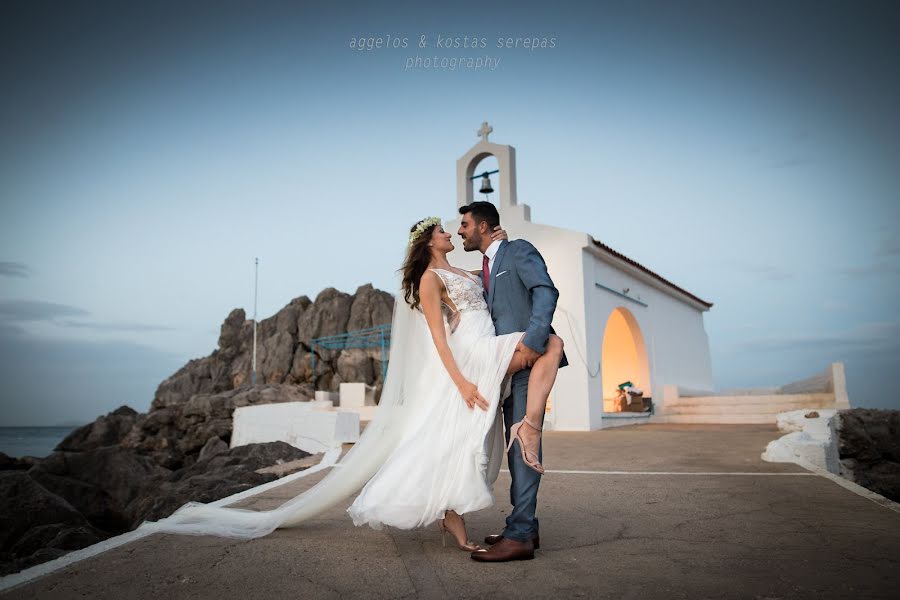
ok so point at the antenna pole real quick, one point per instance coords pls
(255, 287)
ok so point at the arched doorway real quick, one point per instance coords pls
(623, 359)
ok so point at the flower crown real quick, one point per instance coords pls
(421, 227)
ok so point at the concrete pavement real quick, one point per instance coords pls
(645, 511)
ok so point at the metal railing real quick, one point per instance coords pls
(372, 337)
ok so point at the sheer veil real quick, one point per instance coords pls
(397, 409)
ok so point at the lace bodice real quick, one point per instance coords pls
(466, 291)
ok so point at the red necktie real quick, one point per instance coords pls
(486, 274)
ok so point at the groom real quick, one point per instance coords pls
(521, 297)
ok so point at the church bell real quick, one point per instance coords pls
(486, 184)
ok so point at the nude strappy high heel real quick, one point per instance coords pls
(514, 435)
(468, 546)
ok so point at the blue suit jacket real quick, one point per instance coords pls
(521, 295)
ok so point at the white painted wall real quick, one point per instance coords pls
(300, 424)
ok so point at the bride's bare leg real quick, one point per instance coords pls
(456, 525)
(540, 382)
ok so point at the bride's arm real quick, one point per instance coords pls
(430, 297)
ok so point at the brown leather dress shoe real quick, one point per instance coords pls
(493, 539)
(505, 550)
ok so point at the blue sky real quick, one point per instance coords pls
(748, 152)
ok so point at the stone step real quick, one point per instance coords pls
(741, 409)
(729, 400)
(723, 419)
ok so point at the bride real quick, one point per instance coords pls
(434, 446)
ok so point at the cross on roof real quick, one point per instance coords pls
(484, 131)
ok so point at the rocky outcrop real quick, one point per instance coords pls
(105, 431)
(100, 483)
(370, 308)
(283, 347)
(869, 449)
(73, 499)
(213, 476)
(107, 477)
(37, 525)
(174, 435)
(10, 463)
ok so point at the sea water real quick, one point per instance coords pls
(31, 441)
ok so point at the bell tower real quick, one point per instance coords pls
(508, 206)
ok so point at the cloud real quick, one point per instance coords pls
(9, 330)
(879, 269)
(867, 338)
(36, 310)
(20, 311)
(14, 269)
(121, 326)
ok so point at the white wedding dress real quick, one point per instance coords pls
(442, 462)
(424, 451)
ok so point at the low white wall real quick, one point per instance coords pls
(810, 440)
(357, 395)
(299, 424)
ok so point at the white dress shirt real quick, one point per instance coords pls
(491, 252)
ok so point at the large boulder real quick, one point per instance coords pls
(25, 504)
(329, 315)
(56, 536)
(301, 367)
(100, 483)
(213, 447)
(194, 377)
(170, 435)
(250, 457)
(370, 308)
(36, 524)
(11, 463)
(276, 355)
(106, 430)
(356, 365)
(231, 334)
(213, 477)
(869, 449)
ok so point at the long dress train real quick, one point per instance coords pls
(423, 452)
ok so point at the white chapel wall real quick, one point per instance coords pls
(674, 332)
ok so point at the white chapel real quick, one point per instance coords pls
(620, 321)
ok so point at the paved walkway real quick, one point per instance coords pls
(697, 515)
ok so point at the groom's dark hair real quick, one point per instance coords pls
(482, 211)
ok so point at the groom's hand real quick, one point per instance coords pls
(528, 355)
